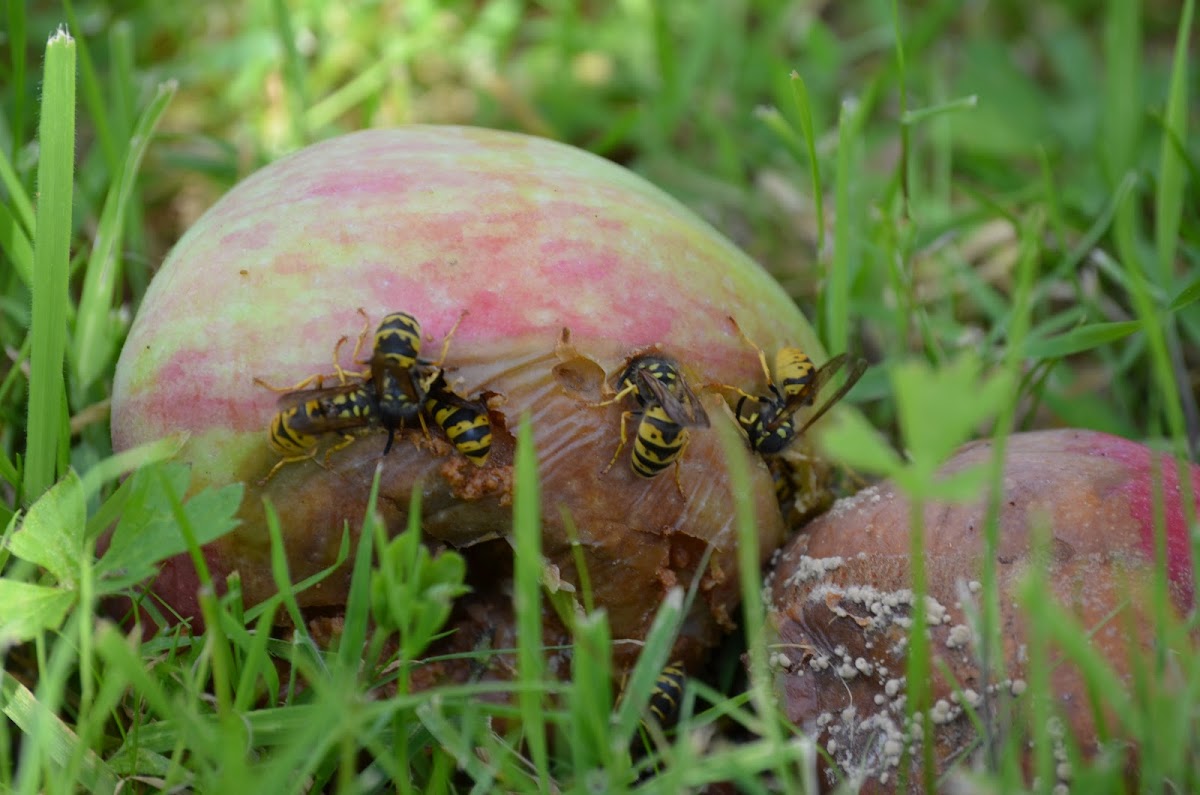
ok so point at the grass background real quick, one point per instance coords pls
(1010, 180)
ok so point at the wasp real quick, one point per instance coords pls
(668, 691)
(769, 420)
(667, 408)
(305, 414)
(401, 377)
(465, 422)
(397, 343)
(782, 478)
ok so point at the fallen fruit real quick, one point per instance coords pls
(558, 266)
(841, 600)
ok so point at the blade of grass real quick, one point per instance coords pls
(991, 655)
(848, 219)
(1157, 336)
(1186, 296)
(98, 109)
(1122, 117)
(293, 70)
(1083, 338)
(906, 173)
(591, 697)
(640, 682)
(52, 250)
(750, 561)
(527, 591)
(361, 88)
(913, 117)
(17, 41)
(126, 461)
(17, 197)
(809, 132)
(1171, 171)
(26, 711)
(15, 244)
(95, 341)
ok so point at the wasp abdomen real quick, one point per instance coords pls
(658, 443)
(397, 342)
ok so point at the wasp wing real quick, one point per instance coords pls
(856, 370)
(684, 411)
(290, 399)
(810, 391)
(336, 408)
(437, 389)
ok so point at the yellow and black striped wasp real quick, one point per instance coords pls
(401, 377)
(769, 419)
(667, 408)
(668, 691)
(399, 391)
(465, 422)
(662, 710)
(304, 414)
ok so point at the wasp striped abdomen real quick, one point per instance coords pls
(465, 422)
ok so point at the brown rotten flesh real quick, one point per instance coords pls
(519, 239)
(841, 602)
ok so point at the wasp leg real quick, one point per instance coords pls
(387, 447)
(347, 440)
(762, 357)
(342, 373)
(717, 386)
(291, 459)
(624, 417)
(319, 378)
(362, 335)
(627, 390)
(358, 343)
(446, 340)
(682, 449)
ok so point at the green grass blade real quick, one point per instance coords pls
(1083, 338)
(590, 695)
(911, 118)
(1122, 118)
(52, 251)
(846, 249)
(126, 461)
(22, 207)
(15, 245)
(95, 337)
(809, 132)
(749, 561)
(1172, 173)
(293, 70)
(527, 590)
(654, 657)
(1186, 297)
(17, 41)
(24, 709)
(99, 110)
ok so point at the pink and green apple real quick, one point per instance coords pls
(522, 238)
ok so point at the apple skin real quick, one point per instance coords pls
(838, 596)
(525, 236)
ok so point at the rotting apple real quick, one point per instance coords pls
(560, 266)
(841, 600)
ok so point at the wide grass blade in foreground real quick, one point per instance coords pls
(52, 253)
